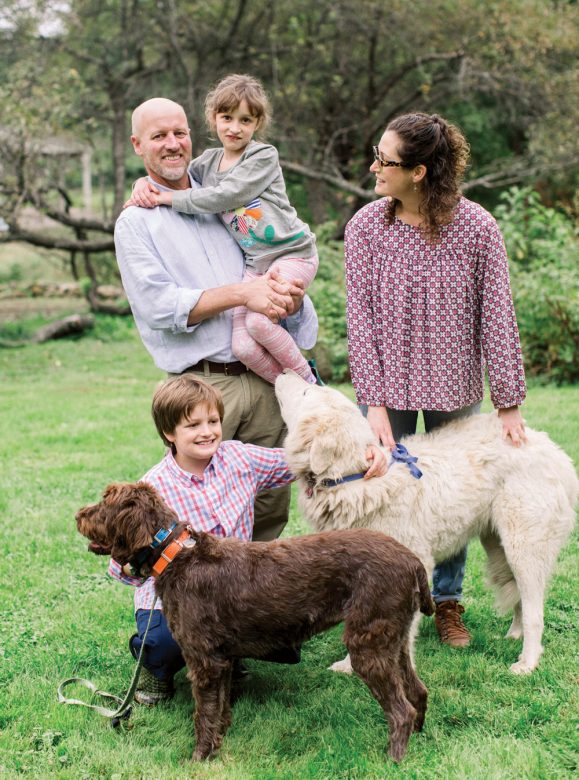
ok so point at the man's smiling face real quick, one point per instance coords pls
(161, 137)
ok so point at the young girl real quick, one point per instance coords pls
(243, 181)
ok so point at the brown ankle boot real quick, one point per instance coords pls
(151, 690)
(449, 625)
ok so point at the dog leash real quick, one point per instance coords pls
(123, 711)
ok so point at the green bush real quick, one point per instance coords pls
(328, 292)
(542, 247)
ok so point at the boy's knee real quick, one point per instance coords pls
(162, 655)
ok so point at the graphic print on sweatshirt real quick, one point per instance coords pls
(244, 219)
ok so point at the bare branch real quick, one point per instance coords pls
(518, 171)
(398, 75)
(48, 242)
(335, 181)
(97, 305)
(81, 223)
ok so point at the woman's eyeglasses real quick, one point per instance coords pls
(386, 163)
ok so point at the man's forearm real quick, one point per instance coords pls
(215, 301)
(263, 295)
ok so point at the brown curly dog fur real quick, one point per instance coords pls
(227, 599)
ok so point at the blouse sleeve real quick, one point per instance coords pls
(364, 322)
(499, 333)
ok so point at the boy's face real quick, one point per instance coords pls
(197, 438)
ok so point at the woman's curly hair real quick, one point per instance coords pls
(429, 140)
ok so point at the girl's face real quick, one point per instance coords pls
(235, 128)
(392, 180)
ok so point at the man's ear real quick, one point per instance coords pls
(136, 145)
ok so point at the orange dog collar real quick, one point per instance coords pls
(170, 553)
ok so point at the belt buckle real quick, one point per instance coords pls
(226, 369)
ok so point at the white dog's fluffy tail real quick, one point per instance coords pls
(499, 575)
(425, 601)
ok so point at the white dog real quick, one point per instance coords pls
(519, 501)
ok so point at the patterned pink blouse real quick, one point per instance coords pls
(424, 319)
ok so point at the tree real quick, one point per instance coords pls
(337, 71)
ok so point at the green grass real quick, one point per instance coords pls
(74, 416)
(24, 264)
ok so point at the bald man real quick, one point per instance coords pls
(182, 276)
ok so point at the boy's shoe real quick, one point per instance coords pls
(449, 625)
(240, 671)
(315, 372)
(151, 690)
(285, 655)
(240, 676)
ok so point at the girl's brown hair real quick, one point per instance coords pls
(429, 140)
(228, 94)
(176, 398)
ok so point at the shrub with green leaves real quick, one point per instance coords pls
(328, 292)
(542, 247)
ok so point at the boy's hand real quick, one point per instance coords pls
(378, 462)
(145, 194)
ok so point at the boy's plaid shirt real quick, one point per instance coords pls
(220, 502)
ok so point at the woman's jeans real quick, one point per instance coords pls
(447, 576)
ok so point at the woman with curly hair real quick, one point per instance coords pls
(429, 305)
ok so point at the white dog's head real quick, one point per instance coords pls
(327, 434)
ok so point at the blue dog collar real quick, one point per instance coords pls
(341, 480)
(161, 535)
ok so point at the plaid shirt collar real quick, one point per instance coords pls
(186, 477)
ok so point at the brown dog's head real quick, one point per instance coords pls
(125, 521)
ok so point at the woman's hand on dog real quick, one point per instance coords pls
(378, 463)
(513, 426)
(378, 418)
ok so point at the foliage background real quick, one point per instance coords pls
(337, 71)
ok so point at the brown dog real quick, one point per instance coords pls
(226, 599)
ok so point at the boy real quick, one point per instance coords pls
(210, 484)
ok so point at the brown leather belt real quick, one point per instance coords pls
(229, 369)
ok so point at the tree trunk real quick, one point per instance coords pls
(118, 145)
(69, 326)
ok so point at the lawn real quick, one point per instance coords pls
(74, 416)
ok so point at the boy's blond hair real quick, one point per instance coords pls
(176, 398)
(228, 94)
